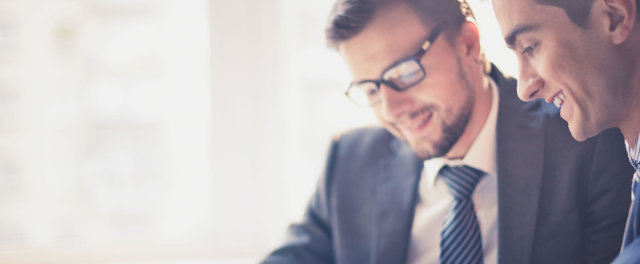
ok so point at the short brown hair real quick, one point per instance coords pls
(349, 17)
(577, 10)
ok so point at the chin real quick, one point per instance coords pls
(430, 150)
(581, 134)
(579, 137)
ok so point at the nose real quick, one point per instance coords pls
(393, 104)
(530, 85)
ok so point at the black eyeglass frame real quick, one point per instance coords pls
(426, 45)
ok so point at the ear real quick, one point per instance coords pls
(468, 40)
(619, 17)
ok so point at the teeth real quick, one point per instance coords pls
(559, 99)
(417, 124)
(421, 120)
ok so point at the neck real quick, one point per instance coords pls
(630, 133)
(480, 113)
(630, 123)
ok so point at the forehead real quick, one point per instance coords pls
(515, 13)
(512, 12)
(522, 5)
(394, 33)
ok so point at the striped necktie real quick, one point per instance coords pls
(633, 223)
(461, 239)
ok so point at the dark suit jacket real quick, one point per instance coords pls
(559, 201)
(630, 254)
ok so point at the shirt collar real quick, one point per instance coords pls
(484, 144)
(634, 156)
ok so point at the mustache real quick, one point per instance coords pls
(425, 109)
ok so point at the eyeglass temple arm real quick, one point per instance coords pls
(427, 44)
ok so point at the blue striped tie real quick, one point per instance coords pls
(633, 222)
(461, 239)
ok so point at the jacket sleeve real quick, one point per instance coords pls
(608, 197)
(310, 241)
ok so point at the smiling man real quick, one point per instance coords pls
(461, 171)
(584, 57)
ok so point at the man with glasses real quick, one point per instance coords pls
(462, 172)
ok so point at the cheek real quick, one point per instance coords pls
(386, 124)
(554, 67)
(376, 111)
(438, 88)
(573, 61)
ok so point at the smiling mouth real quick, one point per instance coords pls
(559, 98)
(416, 122)
(421, 121)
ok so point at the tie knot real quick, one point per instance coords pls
(461, 180)
(636, 164)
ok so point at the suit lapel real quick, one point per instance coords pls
(395, 197)
(520, 149)
(520, 158)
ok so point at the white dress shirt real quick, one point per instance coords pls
(434, 198)
(634, 158)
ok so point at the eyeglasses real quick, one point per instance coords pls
(400, 76)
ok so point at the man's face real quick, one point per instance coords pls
(573, 67)
(430, 116)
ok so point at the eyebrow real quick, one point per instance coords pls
(518, 30)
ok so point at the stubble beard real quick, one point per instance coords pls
(451, 131)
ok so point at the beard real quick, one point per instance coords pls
(453, 122)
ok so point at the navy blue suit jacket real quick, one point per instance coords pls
(630, 254)
(559, 201)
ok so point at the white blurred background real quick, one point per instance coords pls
(167, 131)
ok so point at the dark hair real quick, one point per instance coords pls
(349, 17)
(577, 10)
